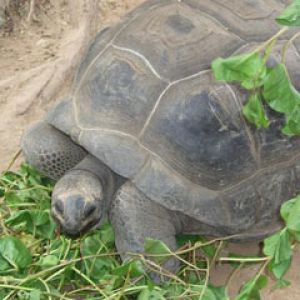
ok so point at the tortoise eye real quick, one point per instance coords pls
(59, 207)
(89, 210)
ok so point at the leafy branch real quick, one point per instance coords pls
(267, 86)
(37, 264)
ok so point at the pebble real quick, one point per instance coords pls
(43, 43)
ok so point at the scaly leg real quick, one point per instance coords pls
(50, 151)
(135, 217)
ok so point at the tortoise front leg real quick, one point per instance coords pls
(135, 218)
(50, 151)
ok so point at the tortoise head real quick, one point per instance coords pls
(77, 202)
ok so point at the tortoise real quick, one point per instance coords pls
(148, 140)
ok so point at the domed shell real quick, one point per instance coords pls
(145, 103)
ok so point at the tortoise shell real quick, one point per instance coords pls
(145, 103)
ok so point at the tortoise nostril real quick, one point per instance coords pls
(59, 207)
(89, 210)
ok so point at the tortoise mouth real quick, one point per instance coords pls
(91, 225)
(75, 233)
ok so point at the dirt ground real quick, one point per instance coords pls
(38, 58)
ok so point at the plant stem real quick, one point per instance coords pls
(197, 246)
(54, 275)
(23, 288)
(213, 261)
(287, 45)
(241, 259)
(206, 279)
(46, 287)
(15, 157)
(271, 39)
(90, 282)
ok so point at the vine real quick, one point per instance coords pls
(267, 86)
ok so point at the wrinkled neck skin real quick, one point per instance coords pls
(109, 180)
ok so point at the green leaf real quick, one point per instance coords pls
(109, 282)
(290, 212)
(11, 177)
(157, 247)
(281, 283)
(245, 68)
(33, 176)
(251, 289)
(36, 222)
(148, 294)
(107, 235)
(27, 190)
(255, 112)
(48, 261)
(132, 268)
(23, 295)
(220, 292)
(292, 126)
(21, 220)
(207, 292)
(45, 226)
(296, 236)
(278, 246)
(287, 207)
(193, 278)
(3, 293)
(279, 269)
(98, 266)
(2, 191)
(15, 252)
(173, 291)
(279, 92)
(35, 295)
(209, 250)
(4, 265)
(12, 198)
(183, 239)
(291, 15)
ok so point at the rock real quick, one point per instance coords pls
(43, 43)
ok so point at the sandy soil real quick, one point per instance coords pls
(36, 57)
(28, 50)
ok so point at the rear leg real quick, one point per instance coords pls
(50, 151)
